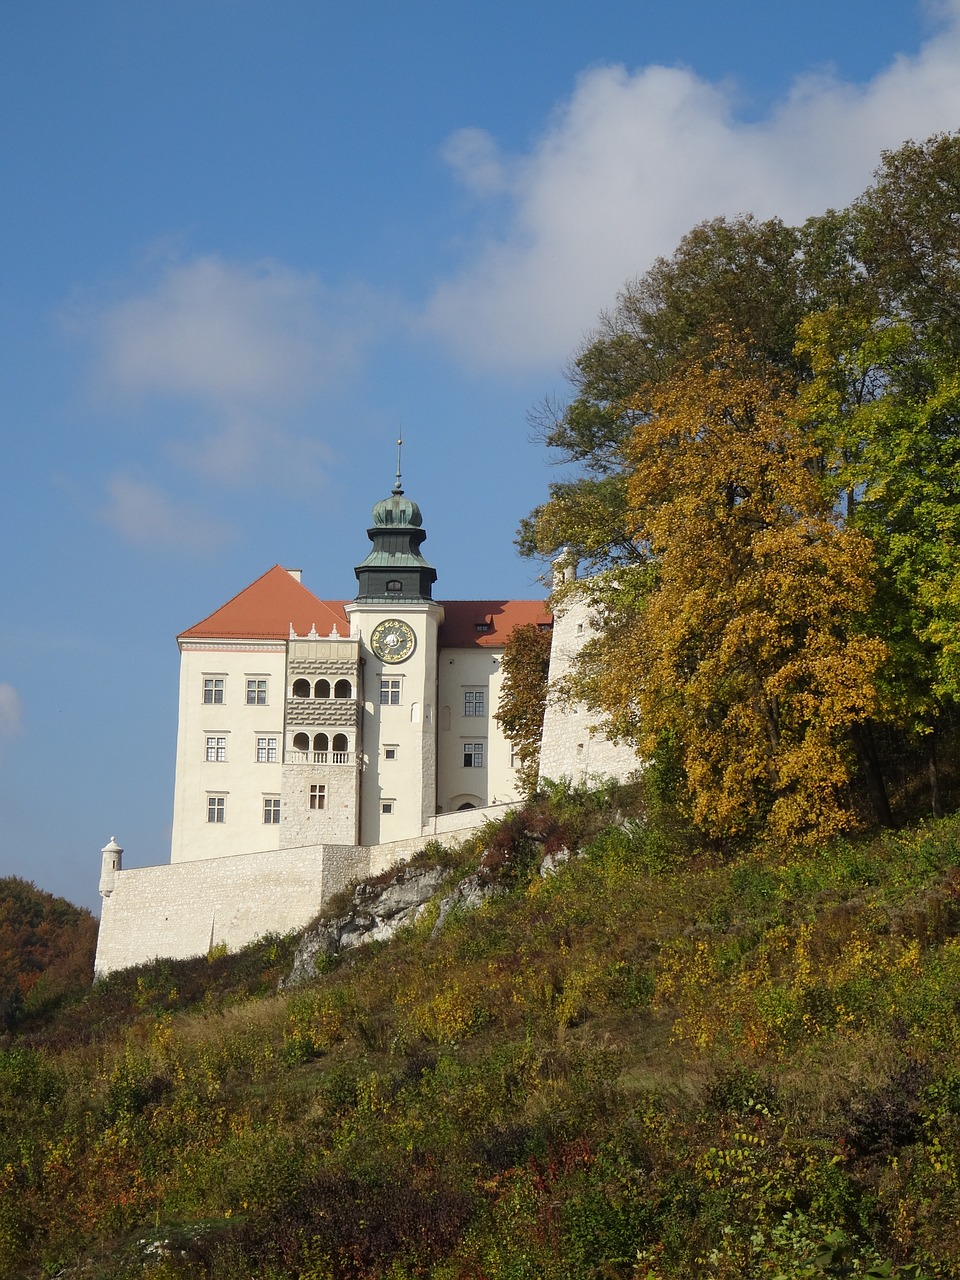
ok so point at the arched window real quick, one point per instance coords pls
(468, 805)
(394, 586)
(301, 688)
(341, 749)
(343, 689)
(301, 742)
(321, 742)
(322, 689)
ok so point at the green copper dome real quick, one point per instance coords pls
(395, 571)
(396, 512)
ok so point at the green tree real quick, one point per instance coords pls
(743, 274)
(885, 402)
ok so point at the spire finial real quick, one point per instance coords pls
(398, 487)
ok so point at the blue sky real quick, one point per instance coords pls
(243, 244)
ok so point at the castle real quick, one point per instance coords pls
(319, 741)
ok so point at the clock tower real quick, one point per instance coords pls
(396, 620)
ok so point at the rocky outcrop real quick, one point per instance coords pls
(385, 905)
(379, 908)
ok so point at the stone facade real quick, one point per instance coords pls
(320, 741)
(180, 910)
(572, 746)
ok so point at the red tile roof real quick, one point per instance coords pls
(267, 609)
(276, 601)
(488, 623)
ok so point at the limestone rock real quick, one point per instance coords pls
(466, 896)
(380, 908)
(552, 862)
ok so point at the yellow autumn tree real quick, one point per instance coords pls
(738, 637)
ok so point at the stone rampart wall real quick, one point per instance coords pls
(182, 909)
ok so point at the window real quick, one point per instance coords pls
(389, 691)
(256, 692)
(318, 795)
(389, 753)
(394, 586)
(386, 806)
(212, 689)
(301, 688)
(301, 742)
(266, 750)
(321, 689)
(483, 626)
(216, 808)
(216, 749)
(271, 810)
(473, 702)
(473, 755)
(343, 689)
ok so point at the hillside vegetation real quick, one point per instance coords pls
(46, 951)
(657, 1062)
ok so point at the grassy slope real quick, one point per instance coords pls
(649, 1065)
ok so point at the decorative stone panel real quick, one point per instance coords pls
(322, 713)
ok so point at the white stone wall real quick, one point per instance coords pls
(461, 671)
(571, 746)
(243, 782)
(180, 910)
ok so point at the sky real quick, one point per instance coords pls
(244, 244)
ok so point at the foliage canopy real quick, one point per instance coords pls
(766, 435)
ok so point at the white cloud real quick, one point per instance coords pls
(224, 332)
(238, 350)
(11, 711)
(143, 513)
(473, 156)
(634, 160)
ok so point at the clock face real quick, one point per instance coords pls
(392, 640)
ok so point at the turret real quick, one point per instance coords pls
(111, 861)
(395, 571)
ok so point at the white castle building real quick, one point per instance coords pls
(320, 740)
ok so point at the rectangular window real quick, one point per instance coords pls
(473, 755)
(212, 689)
(473, 702)
(217, 749)
(389, 753)
(266, 750)
(386, 806)
(256, 693)
(389, 691)
(216, 808)
(271, 810)
(318, 795)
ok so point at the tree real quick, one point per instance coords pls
(743, 274)
(523, 698)
(885, 402)
(739, 634)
